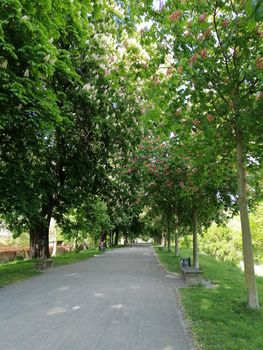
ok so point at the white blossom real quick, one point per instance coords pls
(4, 64)
(47, 58)
(86, 87)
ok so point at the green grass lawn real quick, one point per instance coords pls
(168, 259)
(16, 271)
(219, 317)
(69, 258)
(20, 270)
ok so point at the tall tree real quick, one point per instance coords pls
(75, 109)
(216, 68)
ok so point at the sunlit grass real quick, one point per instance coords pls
(69, 258)
(16, 271)
(168, 259)
(219, 317)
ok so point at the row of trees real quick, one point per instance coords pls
(69, 112)
(81, 87)
(206, 107)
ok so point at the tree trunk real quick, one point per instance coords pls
(116, 242)
(169, 233)
(52, 232)
(164, 240)
(39, 244)
(111, 238)
(252, 295)
(35, 243)
(76, 243)
(176, 239)
(26, 254)
(39, 233)
(195, 245)
(54, 250)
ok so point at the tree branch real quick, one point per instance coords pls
(219, 41)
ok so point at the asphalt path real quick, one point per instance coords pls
(121, 300)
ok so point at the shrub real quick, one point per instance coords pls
(223, 243)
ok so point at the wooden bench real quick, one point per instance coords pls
(191, 275)
(43, 264)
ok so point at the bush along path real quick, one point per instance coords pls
(219, 316)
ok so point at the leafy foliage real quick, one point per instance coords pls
(209, 86)
(87, 221)
(67, 108)
(222, 243)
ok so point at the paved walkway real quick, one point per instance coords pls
(121, 300)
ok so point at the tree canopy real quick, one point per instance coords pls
(115, 109)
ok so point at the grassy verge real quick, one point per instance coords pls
(219, 317)
(20, 270)
(69, 258)
(17, 271)
(168, 259)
